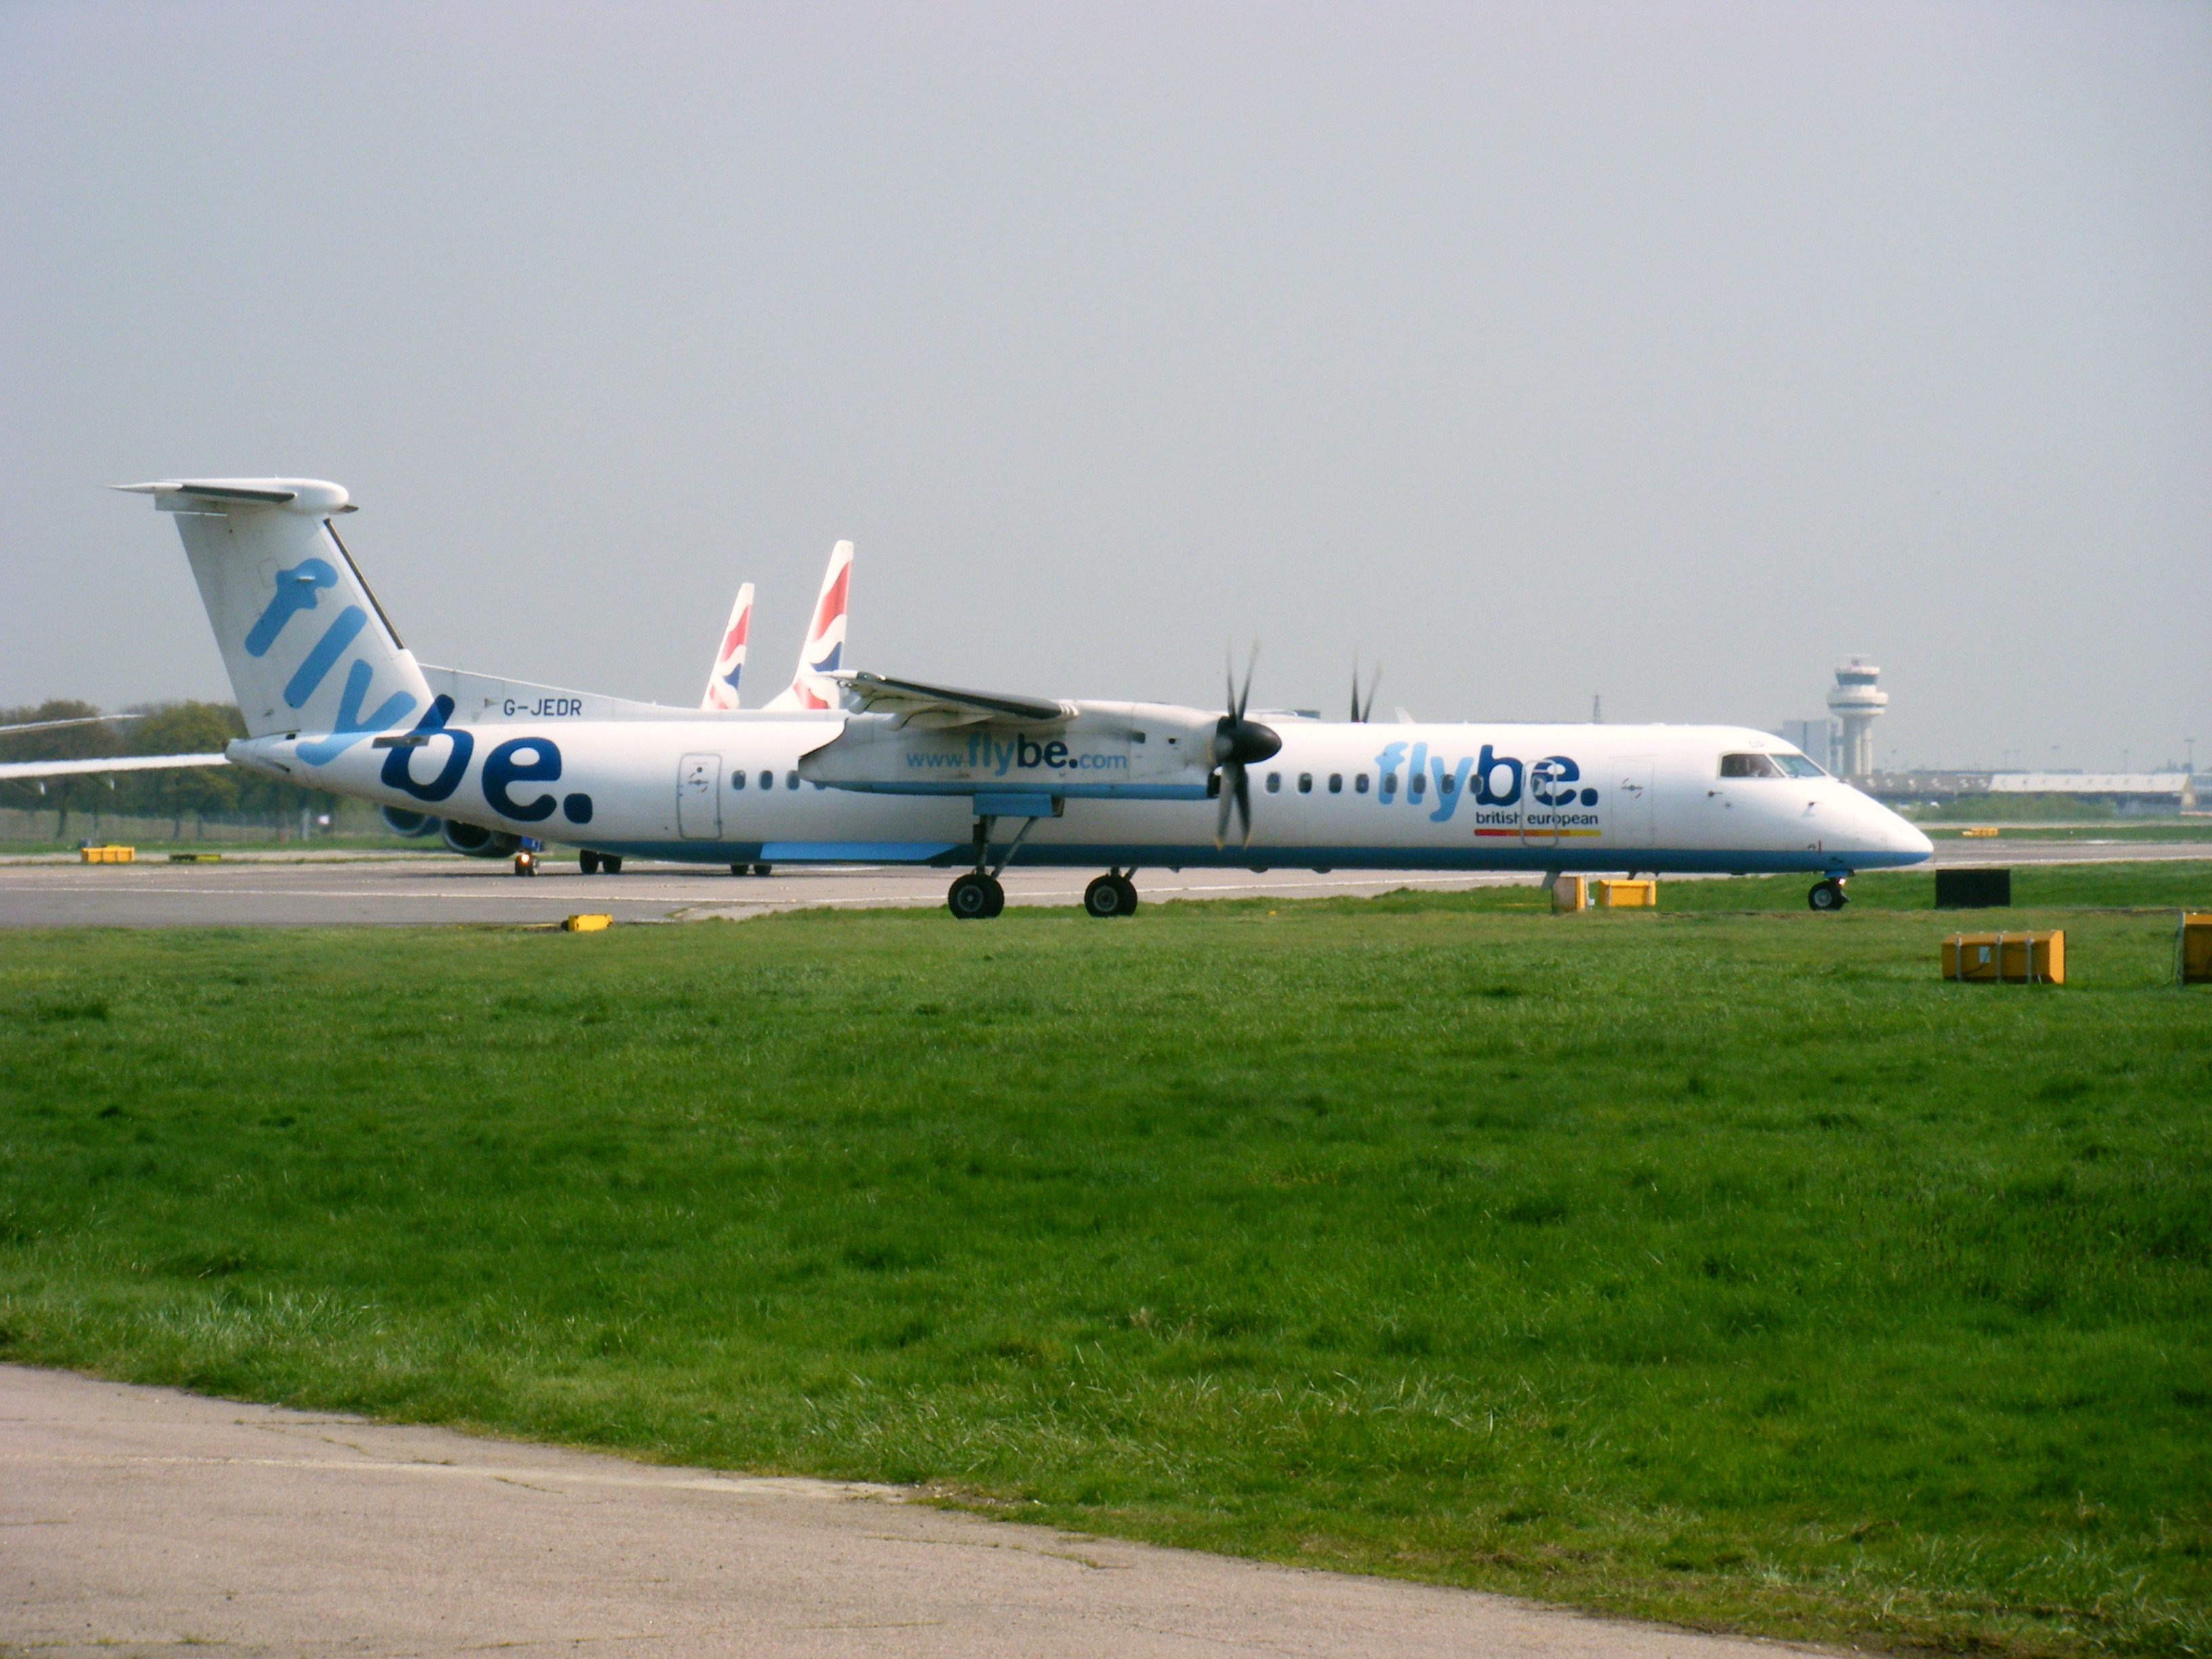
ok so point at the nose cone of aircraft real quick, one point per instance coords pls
(1890, 839)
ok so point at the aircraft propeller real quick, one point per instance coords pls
(1362, 712)
(1239, 743)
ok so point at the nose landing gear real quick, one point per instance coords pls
(1828, 895)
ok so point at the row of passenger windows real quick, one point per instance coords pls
(768, 781)
(1336, 783)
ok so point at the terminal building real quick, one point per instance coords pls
(2142, 791)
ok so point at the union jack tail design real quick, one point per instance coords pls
(729, 660)
(824, 652)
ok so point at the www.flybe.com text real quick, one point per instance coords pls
(987, 754)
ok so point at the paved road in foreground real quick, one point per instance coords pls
(408, 888)
(143, 1522)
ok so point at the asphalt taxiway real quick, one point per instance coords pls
(430, 889)
(415, 888)
(142, 1522)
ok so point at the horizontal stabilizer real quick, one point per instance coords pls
(62, 768)
(315, 497)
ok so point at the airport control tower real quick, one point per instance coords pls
(1856, 705)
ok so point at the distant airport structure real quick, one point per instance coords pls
(1855, 703)
(2144, 791)
(1816, 739)
(1843, 743)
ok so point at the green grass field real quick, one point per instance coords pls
(1720, 1265)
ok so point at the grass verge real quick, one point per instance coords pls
(1719, 1267)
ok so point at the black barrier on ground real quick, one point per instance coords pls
(1972, 890)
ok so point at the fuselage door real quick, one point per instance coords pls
(699, 798)
(1631, 805)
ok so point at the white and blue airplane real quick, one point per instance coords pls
(894, 771)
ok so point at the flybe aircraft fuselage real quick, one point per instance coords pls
(735, 788)
(907, 772)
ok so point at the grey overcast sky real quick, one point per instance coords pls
(1664, 352)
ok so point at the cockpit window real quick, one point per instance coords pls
(1749, 766)
(1789, 765)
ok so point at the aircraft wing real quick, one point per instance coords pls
(944, 705)
(12, 769)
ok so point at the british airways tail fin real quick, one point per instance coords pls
(729, 660)
(824, 652)
(307, 648)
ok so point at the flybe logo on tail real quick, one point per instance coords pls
(296, 591)
(299, 589)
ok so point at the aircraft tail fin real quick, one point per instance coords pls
(307, 648)
(824, 651)
(729, 660)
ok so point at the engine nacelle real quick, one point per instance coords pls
(475, 842)
(401, 822)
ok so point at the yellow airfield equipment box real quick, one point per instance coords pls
(586, 924)
(2192, 948)
(1627, 894)
(1980, 832)
(1570, 895)
(2023, 958)
(107, 854)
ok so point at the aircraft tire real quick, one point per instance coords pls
(975, 897)
(1827, 896)
(762, 869)
(611, 863)
(1110, 896)
(587, 862)
(741, 869)
(526, 864)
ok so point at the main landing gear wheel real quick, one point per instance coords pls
(762, 869)
(1110, 896)
(589, 862)
(1827, 896)
(975, 897)
(611, 863)
(741, 869)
